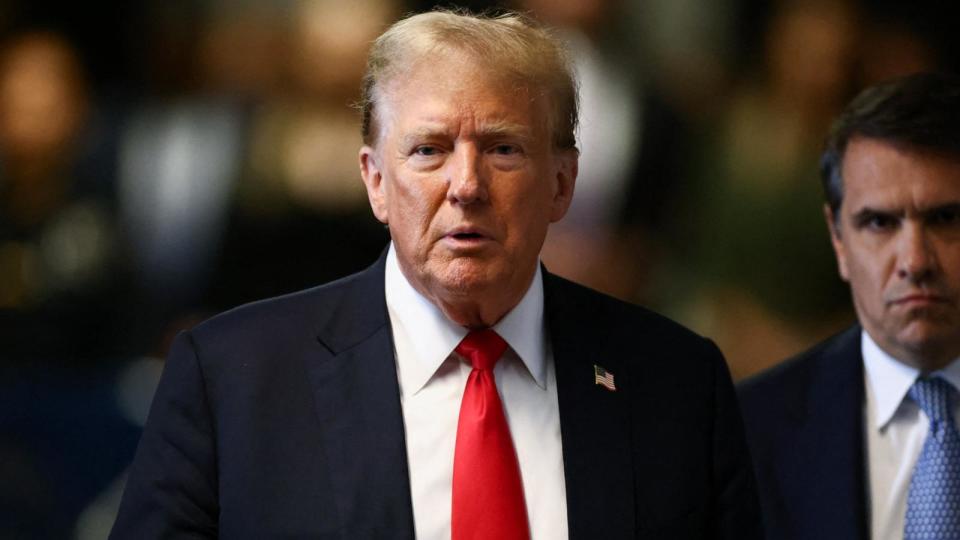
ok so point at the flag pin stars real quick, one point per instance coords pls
(603, 378)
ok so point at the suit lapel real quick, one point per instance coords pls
(593, 420)
(357, 399)
(829, 486)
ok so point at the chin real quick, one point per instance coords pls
(467, 284)
(931, 338)
(464, 276)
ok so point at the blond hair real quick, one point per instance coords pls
(510, 44)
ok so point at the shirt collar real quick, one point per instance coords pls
(891, 379)
(522, 329)
(432, 337)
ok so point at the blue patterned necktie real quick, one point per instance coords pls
(933, 503)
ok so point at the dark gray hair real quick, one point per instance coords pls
(920, 112)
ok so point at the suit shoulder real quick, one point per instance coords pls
(797, 370)
(829, 369)
(298, 313)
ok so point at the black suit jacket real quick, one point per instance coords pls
(282, 419)
(805, 426)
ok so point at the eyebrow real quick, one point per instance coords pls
(868, 212)
(495, 129)
(418, 135)
(489, 130)
(948, 207)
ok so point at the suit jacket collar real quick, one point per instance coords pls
(356, 309)
(595, 426)
(829, 488)
(357, 399)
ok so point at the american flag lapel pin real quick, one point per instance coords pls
(603, 378)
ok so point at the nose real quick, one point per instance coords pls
(466, 184)
(917, 260)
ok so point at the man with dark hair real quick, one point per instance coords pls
(455, 389)
(857, 437)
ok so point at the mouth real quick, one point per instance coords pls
(919, 299)
(466, 236)
(467, 232)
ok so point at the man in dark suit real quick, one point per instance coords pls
(455, 389)
(856, 438)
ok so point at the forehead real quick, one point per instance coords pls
(454, 89)
(885, 175)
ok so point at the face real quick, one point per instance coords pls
(465, 175)
(898, 245)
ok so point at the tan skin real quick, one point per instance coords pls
(897, 243)
(465, 175)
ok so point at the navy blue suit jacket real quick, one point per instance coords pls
(282, 419)
(804, 422)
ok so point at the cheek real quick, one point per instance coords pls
(526, 222)
(869, 263)
(950, 261)
(869, 283)
(415, 206)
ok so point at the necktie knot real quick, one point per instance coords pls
(482, 348)
(934, 395)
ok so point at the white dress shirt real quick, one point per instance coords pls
(432, 379)
(896, 430)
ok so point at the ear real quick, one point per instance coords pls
(566, 178)
(372, 175)
(833, 223)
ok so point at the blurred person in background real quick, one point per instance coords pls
(631, 143)
(351, 409)
(857, 438)
(297, 187)
(61, 261)
(755, 271)
(180, 154)
(64, 292)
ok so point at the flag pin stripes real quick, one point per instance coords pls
(603, 378)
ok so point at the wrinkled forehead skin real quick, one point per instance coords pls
(495, 71)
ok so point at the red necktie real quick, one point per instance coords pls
(487, 492)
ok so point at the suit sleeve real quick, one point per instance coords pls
(737, 509)
(171, 490)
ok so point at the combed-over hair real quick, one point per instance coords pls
(511, 44)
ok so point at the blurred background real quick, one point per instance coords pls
(162, 160)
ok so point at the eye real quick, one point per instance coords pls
(506, 149)
(949, 216)
(426, 150)
(877, 221)
(881, 222)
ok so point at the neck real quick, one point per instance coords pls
(478, 307)
(475, 315)
(931, 361)
(927, 358)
